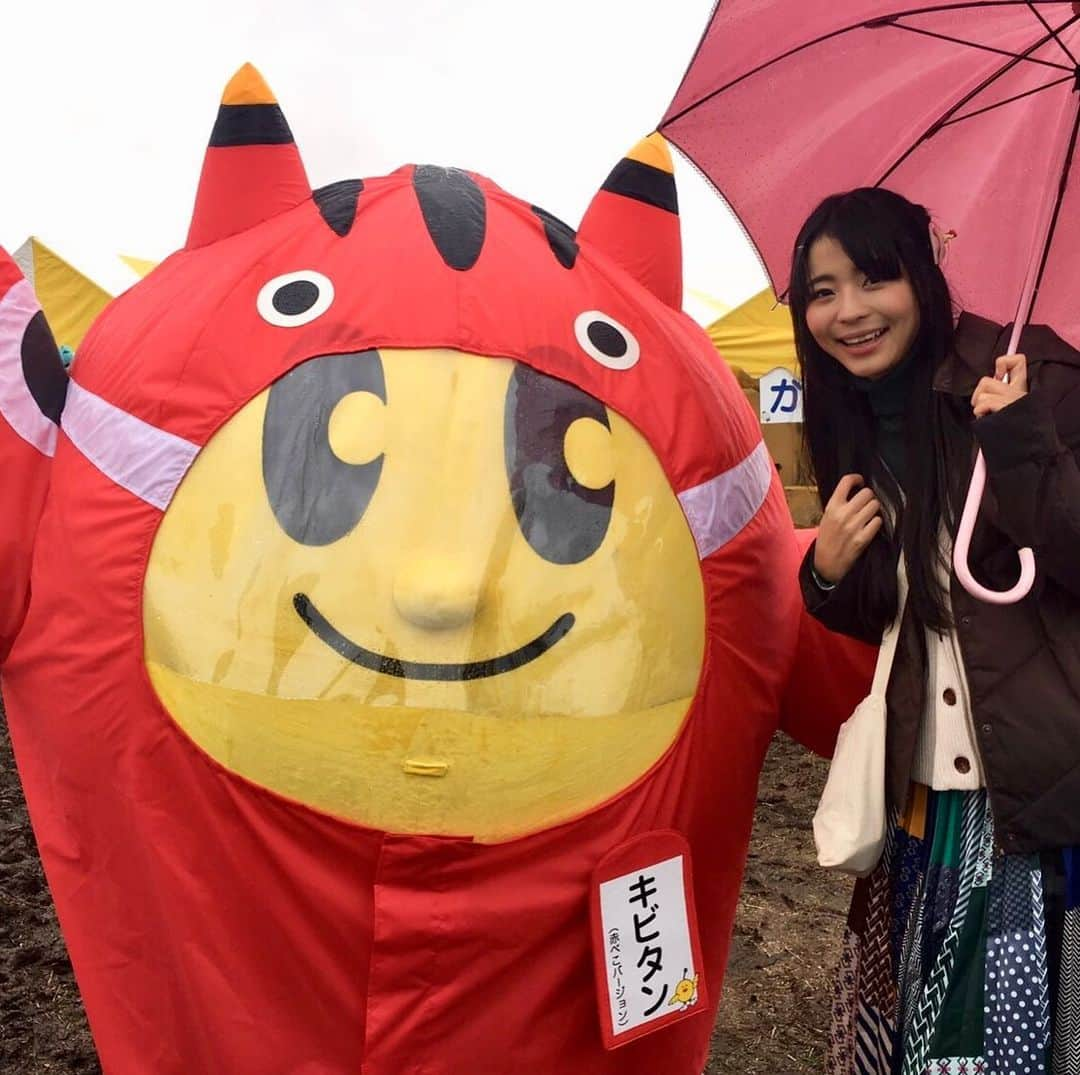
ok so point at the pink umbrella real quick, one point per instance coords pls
(971, 109)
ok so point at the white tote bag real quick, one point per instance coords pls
(850, 821)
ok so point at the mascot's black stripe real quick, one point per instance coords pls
(644, 183)
(42, 369)
(250, 125)
(561, 237)
(455, 213)
(391, 666)
(337, 203)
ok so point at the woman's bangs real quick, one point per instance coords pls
(868, 243)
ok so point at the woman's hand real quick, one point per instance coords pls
(992, 393)
(850, 522)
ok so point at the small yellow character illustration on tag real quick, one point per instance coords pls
(685, 993)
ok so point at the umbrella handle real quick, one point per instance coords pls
(962, 546)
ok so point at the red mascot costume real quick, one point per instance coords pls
(398, 601)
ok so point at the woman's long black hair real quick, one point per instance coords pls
(886, 237)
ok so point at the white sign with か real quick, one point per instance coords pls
(780, 396)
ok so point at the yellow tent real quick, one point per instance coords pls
(756, 336)
(139, 266)
(70, 299)
(702, 306)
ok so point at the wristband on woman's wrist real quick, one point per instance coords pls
(819, 582)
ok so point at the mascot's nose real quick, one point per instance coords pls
(436, 592)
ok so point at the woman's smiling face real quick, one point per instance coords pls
(867, 325)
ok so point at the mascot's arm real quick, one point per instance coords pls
(830, 675)
(27, 439)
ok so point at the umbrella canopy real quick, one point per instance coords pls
(970, 108)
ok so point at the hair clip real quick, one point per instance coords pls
(939, 243)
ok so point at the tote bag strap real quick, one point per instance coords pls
(890, 639)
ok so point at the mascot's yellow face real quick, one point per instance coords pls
(429, 592)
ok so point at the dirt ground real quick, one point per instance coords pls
(776, 996)
(775, 1009)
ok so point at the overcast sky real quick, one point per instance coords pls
(109, 104)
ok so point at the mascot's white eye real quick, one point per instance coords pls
(602, 338)
(295, 298)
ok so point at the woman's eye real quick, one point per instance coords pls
(820, 293)
(322, 445)
(295, 299)
(560, 465)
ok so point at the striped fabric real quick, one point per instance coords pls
(146, 461)
(719, 508)
(1067, 1023)
(958, 959)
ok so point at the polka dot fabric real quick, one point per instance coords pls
(1017, 1016)
(981, 951)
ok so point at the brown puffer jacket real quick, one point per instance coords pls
(1022, 660)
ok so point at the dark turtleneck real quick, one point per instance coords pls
(887, 397)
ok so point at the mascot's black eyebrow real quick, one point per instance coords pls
(337, 204)
(560, 236)
(455, 213)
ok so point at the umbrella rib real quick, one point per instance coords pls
(1005, 101)
(1057, 211)
(757, 70)
(697, 51)
(953, 109)
(868, 23)
(982, 48)
(1061, 44)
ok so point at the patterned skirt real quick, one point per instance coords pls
(957, 957)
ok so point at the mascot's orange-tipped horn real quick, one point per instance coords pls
(252, 169)
(634, 219)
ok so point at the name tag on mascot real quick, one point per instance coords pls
(646, 949)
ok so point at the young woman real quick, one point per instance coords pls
(962, 952)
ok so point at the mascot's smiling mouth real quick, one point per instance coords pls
(391, 666)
